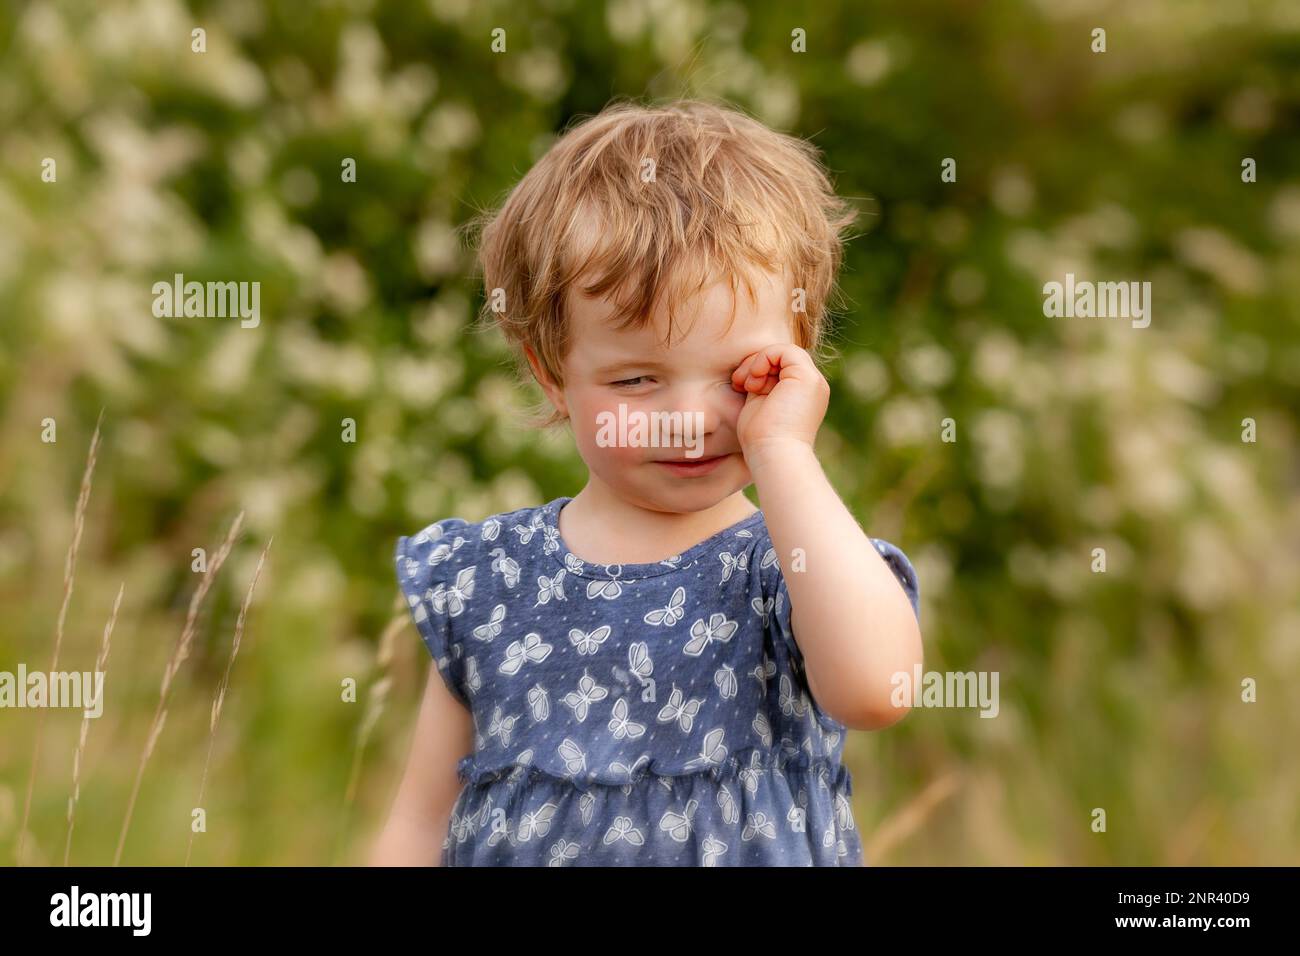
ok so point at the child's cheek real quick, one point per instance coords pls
(602, 434)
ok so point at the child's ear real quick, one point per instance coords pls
(553, 392)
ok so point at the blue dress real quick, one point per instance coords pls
(641, 714)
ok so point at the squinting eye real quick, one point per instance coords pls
(629, 382)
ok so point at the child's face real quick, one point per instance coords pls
(606, 368)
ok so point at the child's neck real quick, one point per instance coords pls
(602, 528)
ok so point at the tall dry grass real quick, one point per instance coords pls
(179, 654)
(69, 573)
(101, 667)
(225, 686)
(374, 709)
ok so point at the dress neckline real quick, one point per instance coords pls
(677, 562)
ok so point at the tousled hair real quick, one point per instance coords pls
(650, 204)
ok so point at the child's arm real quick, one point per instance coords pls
(855, 625)
(444, 733)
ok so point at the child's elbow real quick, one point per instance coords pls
(884, 702)
(877, 717)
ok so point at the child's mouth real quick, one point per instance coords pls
(691, 467)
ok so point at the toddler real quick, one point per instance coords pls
(654, 671)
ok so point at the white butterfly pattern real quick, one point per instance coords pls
(797, 815)
(758, 824)
(432, 532)
(506, 566)
(749, 776)
(527, 531)
(675, 710)
(711, 713)
(732, 563)
(575, 760)
(562, 851)
(843, 812)
(713, 848)
(727, 803)
(724, 678)
(712, 752)
(620, 769)
(638, 658)
(623, 829)
(609, 590)
(548, 588)
(678, 825)
(539, 703)
(461, 827)
(531, 649)
(536, 822)
(492, 627)
(621, 725)
(588, 693)
(444, 551)
(673, 612)
(717, 629)
(588, 642)
(451, 600)
(501, 726)
(473, 680)
(791, 705)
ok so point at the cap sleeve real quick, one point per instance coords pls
(903, 570)
(436, 570)
(892, 555)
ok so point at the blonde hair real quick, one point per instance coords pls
(650, 203)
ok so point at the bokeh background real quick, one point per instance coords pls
(1119, 690)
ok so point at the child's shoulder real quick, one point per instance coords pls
(489, 528)
(455, 542)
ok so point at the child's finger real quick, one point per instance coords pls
(759, 366)
(768, 383)
(770, 367)
(761, 385)
(741, 375)
(760, 372)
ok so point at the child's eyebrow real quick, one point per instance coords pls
(630, 363)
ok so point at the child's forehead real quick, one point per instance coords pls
(711, 319)
(703, 340)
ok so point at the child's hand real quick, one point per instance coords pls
(786, 398)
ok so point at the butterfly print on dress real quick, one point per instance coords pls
(576, 758)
